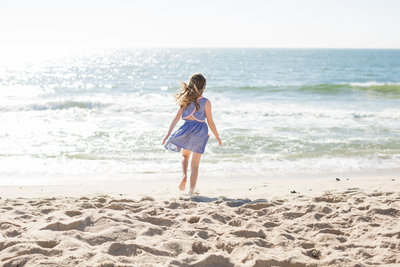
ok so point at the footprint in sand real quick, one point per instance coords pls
(376, 194)
(206, 220)
(48, 243)
(319, 225)
(131, 249)
(74, 225)
(313, 253)
(235, 222)
(293, 215)
(330, 199)
(114, 206)
(274, 262)
(249, 233)
(199, 247)
(258, 206)
(11, 229)
(307, 245)
(72, 213)
(46, 211)
(203, 235)
(27, 249)
(86, 205)
(158, 221)
(331, 231)
(270, 224)
(101, 200)
(194, 219)
(174, 247)
(288, 236)
(318, 216)
(41, 203)
(151, 231)
(326, 210)
(388, 212)
(225, 247)
(219, 218)
(13, 233)
(262, 243)
(173, 205)
(122, 200)
(24, 217)
(147, 198)
(211, 260)
(98, 205)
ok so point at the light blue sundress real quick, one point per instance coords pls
(193, 134)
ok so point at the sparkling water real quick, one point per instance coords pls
(102, 115)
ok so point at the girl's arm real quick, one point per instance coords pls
(210, 121)
(173, 123)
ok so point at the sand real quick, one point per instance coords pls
(323, 222)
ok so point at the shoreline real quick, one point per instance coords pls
(214, 187)
(62, 179)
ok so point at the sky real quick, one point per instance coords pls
(208, 23)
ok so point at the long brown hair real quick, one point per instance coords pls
(191, 92)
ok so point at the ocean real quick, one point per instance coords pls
(101, 116)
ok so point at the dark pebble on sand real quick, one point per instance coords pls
(337, 179)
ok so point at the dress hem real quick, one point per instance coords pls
(180, 147)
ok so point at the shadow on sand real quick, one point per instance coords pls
(231, 202)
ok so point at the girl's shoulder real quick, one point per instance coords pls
(203, 99)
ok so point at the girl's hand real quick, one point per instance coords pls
(165, 139)
(219, 142)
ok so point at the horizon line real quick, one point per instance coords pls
(16, 47)
(261, 47)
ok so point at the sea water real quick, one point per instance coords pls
(86, 117)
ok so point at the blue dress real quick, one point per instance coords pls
(193, 134)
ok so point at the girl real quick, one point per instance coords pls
(193, 135)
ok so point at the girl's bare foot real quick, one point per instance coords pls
(192, 193)
(183, 184)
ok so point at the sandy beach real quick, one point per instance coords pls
(314, 222)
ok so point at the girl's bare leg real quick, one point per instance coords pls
(194, 171)
(185, 162)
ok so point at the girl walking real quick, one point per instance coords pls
(192, 136)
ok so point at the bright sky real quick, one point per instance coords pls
(205, 23)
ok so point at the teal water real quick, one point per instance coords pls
(279, 111)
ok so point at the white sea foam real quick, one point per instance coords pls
(371, 84)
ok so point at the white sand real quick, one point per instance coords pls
(351, 222)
